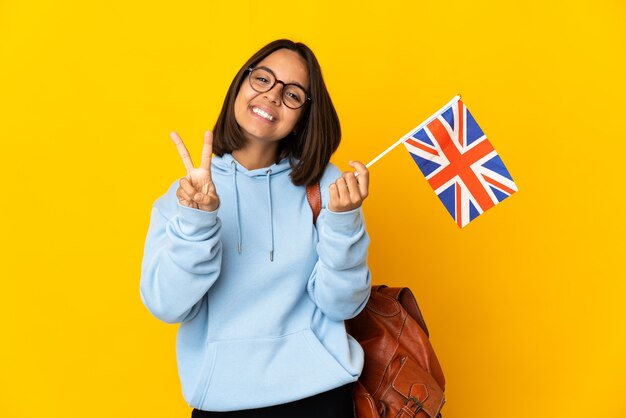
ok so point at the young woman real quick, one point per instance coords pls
(232, 253)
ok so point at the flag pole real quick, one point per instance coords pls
(408, 134)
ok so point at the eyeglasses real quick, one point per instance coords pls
(263, 79)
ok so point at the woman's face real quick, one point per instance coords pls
(264, 116)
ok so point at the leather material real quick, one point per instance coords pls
(314, 196)
(401, 376)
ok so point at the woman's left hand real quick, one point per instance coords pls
(348, 191)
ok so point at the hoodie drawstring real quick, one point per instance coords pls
(268, 173)
(269, 202)
(234, 165)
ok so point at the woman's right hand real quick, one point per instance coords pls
(196, 189)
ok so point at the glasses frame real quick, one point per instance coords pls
(276, 81)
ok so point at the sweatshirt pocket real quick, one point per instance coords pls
(258, 372)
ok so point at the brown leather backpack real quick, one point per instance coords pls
(401, 376)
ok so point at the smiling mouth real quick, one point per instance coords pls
(262, 114)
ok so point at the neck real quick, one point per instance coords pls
(253, 155)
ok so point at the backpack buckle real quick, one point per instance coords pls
(413, 402)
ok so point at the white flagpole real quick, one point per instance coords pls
(408, 134)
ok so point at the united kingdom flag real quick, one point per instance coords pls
(460, 164)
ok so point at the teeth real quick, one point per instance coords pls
(262, 114)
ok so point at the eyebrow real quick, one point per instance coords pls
(274, 74)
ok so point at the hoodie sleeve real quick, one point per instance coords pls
(182, 259)
(340, 284)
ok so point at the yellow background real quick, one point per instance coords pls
(525, 305)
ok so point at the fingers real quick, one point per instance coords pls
(342, 189)
(349, 191)
(185, 199)
(362, 178)
(203, 199)
(182, 150)
(189, 190)
(334, 197)
(342, 199)
(207, 151)
(189, 196)
(353, 187)
(207, 201)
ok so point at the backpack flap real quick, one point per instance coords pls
(419, 392)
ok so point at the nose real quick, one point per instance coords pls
(274, 94)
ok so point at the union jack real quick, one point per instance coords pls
(460, 164)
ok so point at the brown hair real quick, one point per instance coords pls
(318, 132)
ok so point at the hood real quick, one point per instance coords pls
(227, 165)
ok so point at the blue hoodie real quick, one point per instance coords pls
(260, 292)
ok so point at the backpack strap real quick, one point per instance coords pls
(407, 300)
(314, 196)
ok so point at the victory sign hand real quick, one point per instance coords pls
(196, 189)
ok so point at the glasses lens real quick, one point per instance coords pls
(294, 96)
(261, 80)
